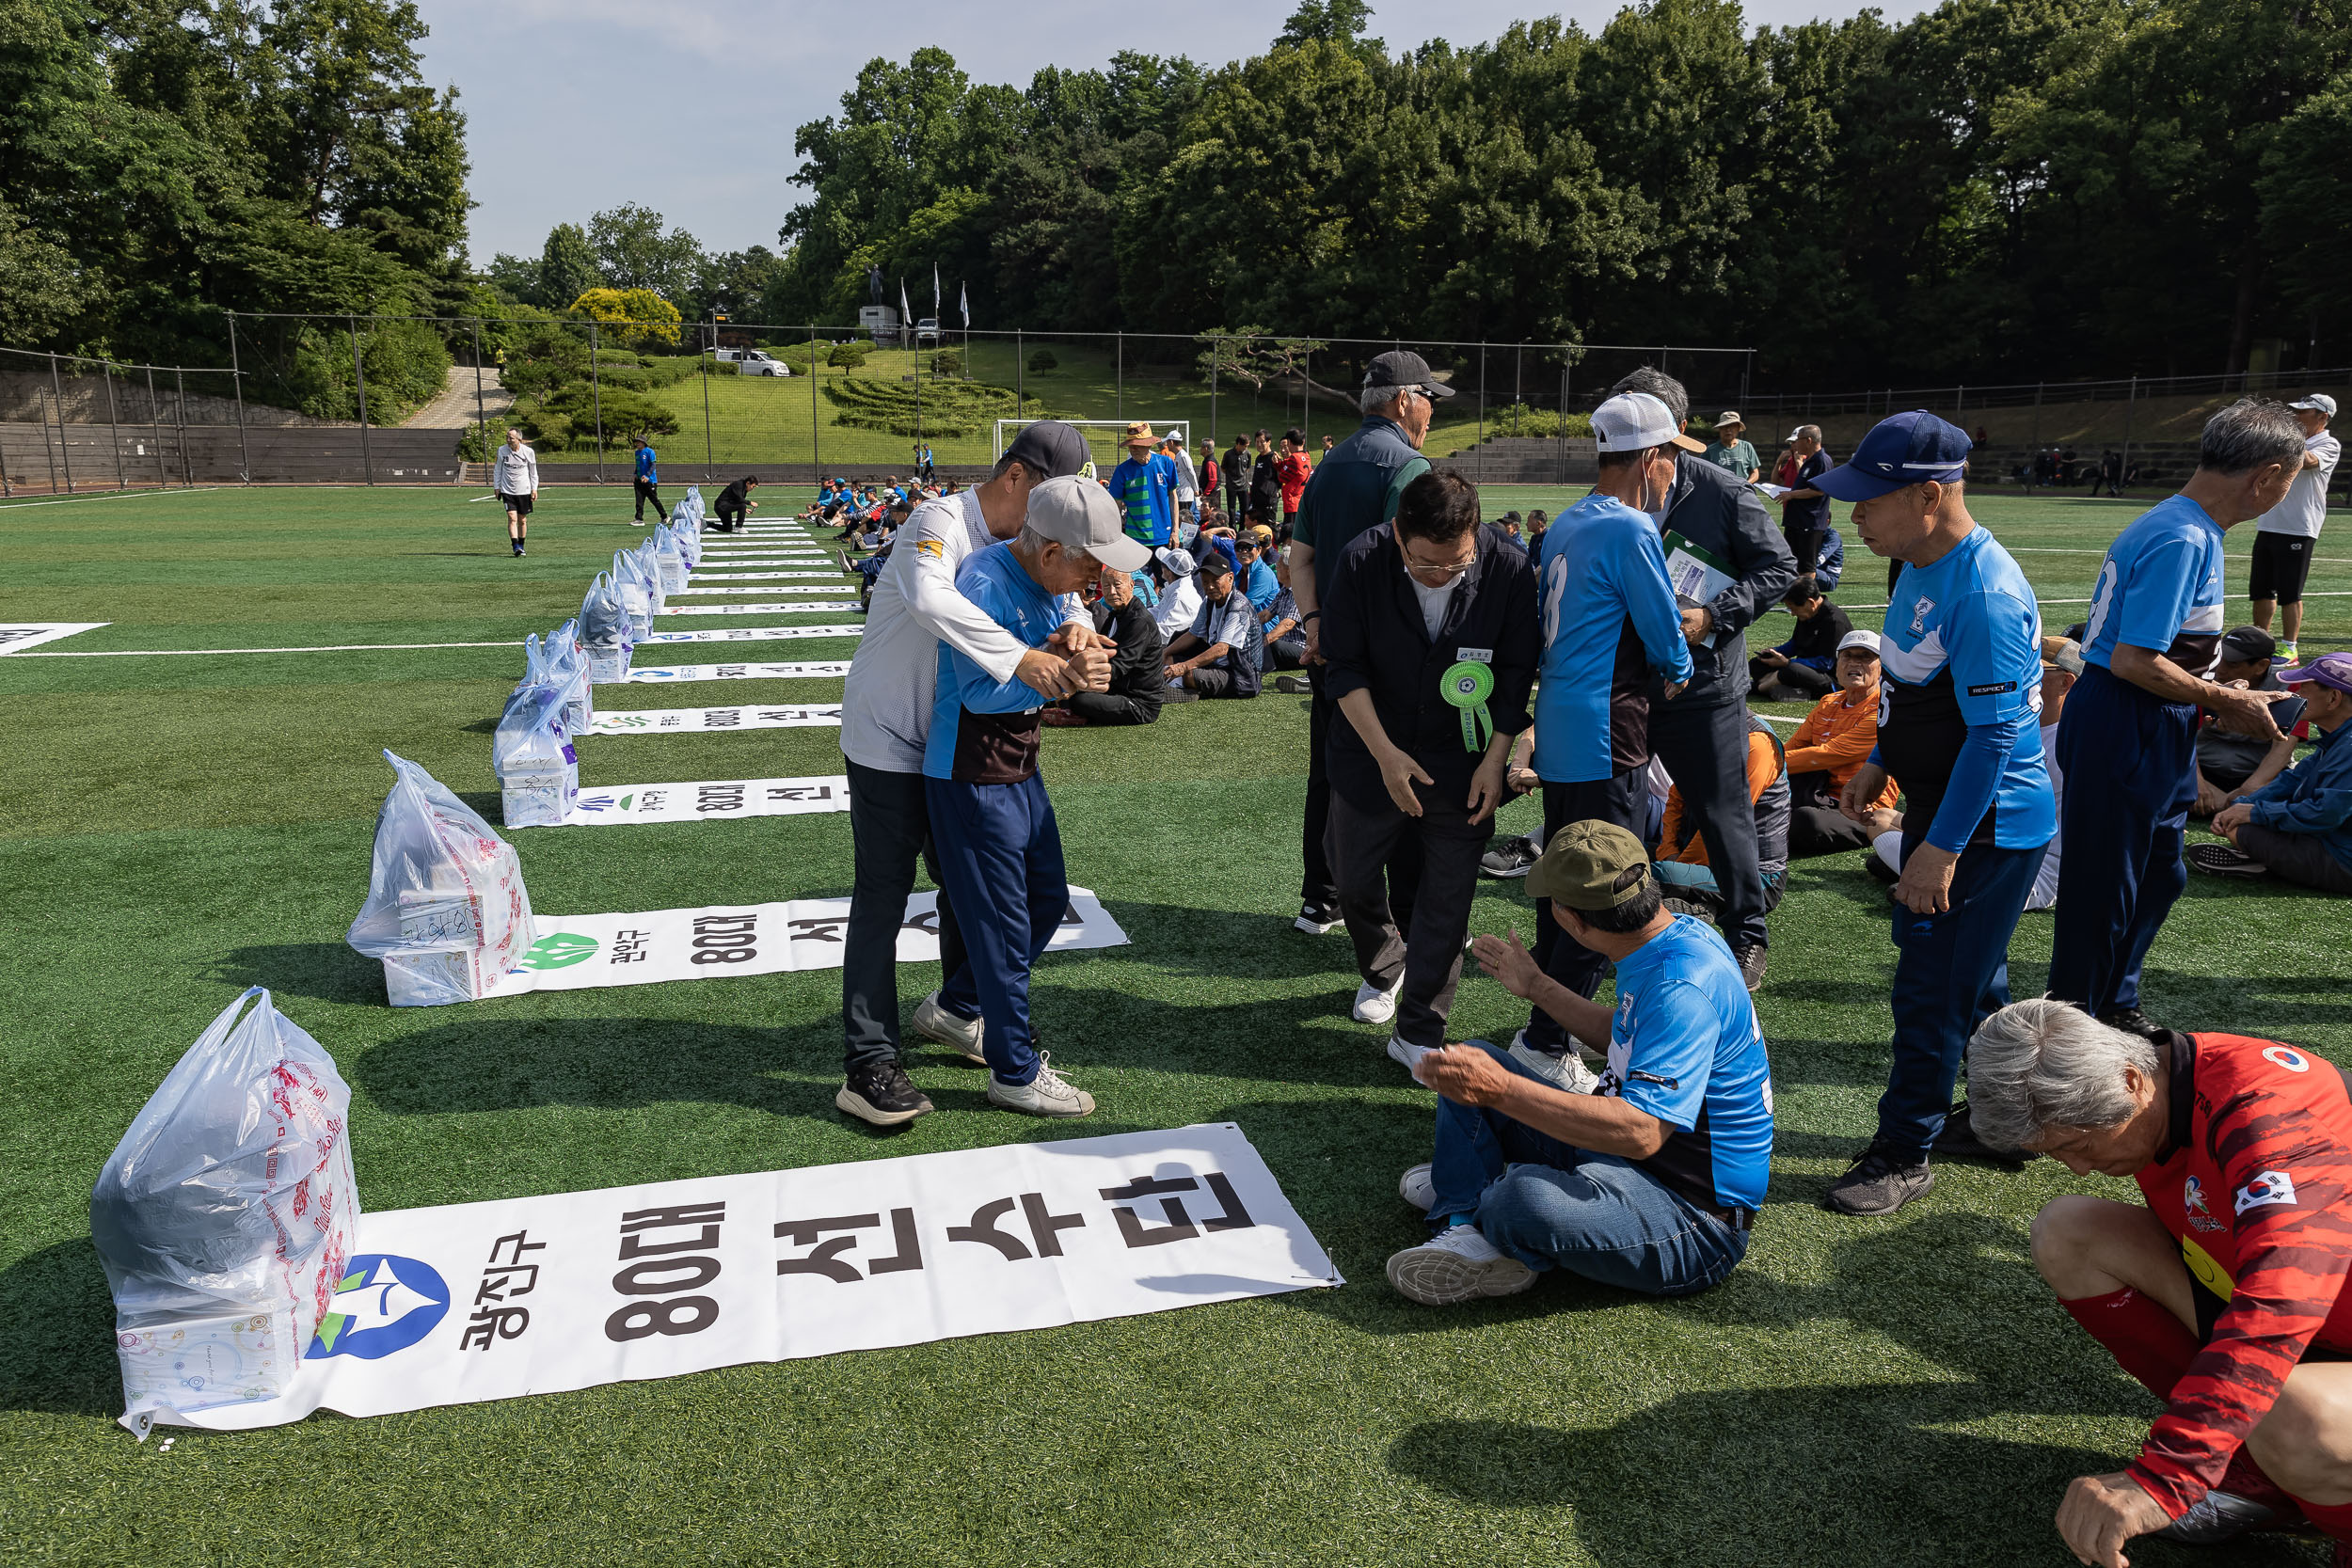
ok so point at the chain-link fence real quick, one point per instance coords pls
(418, 399)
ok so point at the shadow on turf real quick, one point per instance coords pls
(328, 971)
(59, 1357)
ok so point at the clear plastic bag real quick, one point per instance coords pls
(695, 506)
(538, 772)
(445, 910)
(636, 599)
(606, 631)
(225, 1215)
(567, 665)
(668, 562)
(648, 561)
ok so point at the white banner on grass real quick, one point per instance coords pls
(838, 587)
(825, 605)
(765, 576)
(751, 634)
(703, 721)
(15, 637)
(674, 674)
(532, 1295)
(707, 801)
(587, 952)
(768, 558)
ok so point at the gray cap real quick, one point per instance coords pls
(1048, 449)
(1079, 516)
(1403, 368)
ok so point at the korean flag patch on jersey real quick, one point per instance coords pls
(2267, 1188)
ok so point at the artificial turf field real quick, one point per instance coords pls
(178, 828)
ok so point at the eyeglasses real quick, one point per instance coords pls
(1445, 572)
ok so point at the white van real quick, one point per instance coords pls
(752, 361)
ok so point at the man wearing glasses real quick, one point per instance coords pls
(1430, 643)
(1356, 488)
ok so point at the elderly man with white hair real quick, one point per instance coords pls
(2222, 1290)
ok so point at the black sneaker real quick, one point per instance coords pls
(1292, 686)
(1958, 1141)
(1876, 865)
(2225, 860)
(1511, 859)
(1879, 1182)
(880, 1093)
(2131, 1022)
(1750, 958)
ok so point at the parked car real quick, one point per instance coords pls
(926, 328)
(753, 361)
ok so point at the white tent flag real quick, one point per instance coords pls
(674, 674)
(827, 607)
(707, 801)
(532, 1295)
(751, 634)
(707, 720)
(588, 952)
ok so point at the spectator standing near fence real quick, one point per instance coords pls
(1179, 457)
(514, 475)
(647, 486)
(1430, 642)
(1295, 469)
(1960, 662)
(1212, 477)
(2287, 536)
(1727, 564)
(1730, 452)
(1804, 510)
(1236, 476)
(1356, 488)
(1144, 487)
(2129, 737)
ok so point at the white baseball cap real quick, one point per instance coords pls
(1868, 641)
(1635, 422)
(2319, 401)
(1079, 516)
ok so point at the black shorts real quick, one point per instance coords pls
(2281, 561)
(518, 505)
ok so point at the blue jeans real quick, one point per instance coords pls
(1951, 972)
(1553, 1206)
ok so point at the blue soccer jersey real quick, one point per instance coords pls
(2160, 589)
(985, 731)
(1609, 617)
(1684, 1046)
(1960, 705)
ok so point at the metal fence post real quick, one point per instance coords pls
(480, 413)
(46, 453)
(596, 395)
(816, 469)
(156, 430)
(237, 383)
(1519, 359)
(1215, 355)
(2037, 425)
(1563, 420)
(360, 383)
(1122, 371)
(114, 427)
(706, 363)
(179, 425)
(2130, 396)
(1482, 412)
(1307, 396)
(1020, 370)
(57, 392)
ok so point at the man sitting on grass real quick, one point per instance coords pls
(1138, 686)
(1803, 668)
(2221, 1291)
(2232, 766)
(1224, 652)
(2300, 824)
(1651, 1181)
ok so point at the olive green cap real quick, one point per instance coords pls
(1581, 866)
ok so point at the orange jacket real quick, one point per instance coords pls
(1763, 768)
(1836, 738)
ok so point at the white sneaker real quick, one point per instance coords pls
(1405, 1056)
(1460, 1265)
(1561, 1073)
(1375, 1005)
(962, 1035)
(1416, 1188)
(1046, 1095)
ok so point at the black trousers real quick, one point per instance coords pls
(1287, 652)
(1103, 707)
(1618, 799)
(1318, 891)
(1802, 677)
(1804, 543)
(1423, 943)
(1704, 748)
(727, 518)
(889, 826)
(648, 491)
(1816, 826)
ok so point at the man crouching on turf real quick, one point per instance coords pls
(2224, 1295)
(999, 850)
(1651, 1181)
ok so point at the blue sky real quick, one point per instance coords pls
(689, 108)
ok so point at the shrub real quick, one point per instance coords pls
(650, 318)
(946, 361)
(849, 355)
(1042, 360)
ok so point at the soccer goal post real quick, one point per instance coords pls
(1104, 436)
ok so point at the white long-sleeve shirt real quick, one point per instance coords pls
(514, 471)
(1187, 480)
(1179, 607)
(886, 699)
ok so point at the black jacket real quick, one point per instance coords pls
(1726, 519)
(1136, 663)
(1373, 638)
(1819, 636)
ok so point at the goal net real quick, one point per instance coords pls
(1105, 438)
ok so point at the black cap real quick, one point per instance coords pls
(1048, 449)
(2245, 644)
(1403, 368)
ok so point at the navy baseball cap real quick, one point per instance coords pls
(1901, 449)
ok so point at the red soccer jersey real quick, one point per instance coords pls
(1295, 472)
(2255, 1179)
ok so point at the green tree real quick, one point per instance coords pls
(567, 267)
(632, 252)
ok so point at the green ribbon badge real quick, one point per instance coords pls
(1467, 686)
